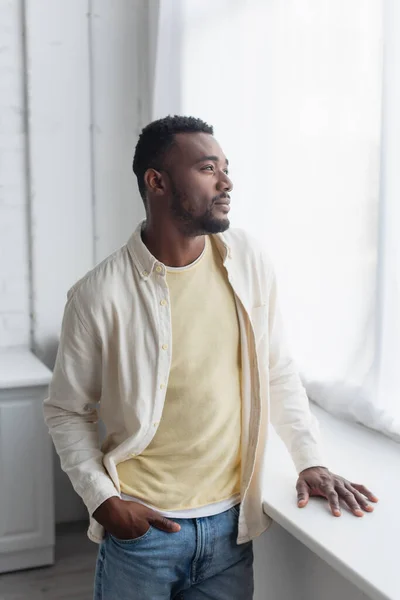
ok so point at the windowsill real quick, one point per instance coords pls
(19, 368)
(363, 550)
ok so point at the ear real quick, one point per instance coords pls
(154, 181)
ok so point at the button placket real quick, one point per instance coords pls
(164, 336)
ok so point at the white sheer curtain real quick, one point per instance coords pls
(294, 90)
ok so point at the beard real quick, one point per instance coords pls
(193, 225)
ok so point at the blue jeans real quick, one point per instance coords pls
(200, 562)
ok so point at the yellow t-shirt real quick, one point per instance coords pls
(194, 457)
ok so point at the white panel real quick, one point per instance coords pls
(285, 569)
(18, 469)
(14, 279)
(119, 112)
(60, 166)
(165, 32)
(26, 492)
(152, 37)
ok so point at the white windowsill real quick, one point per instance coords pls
(19, 368)
(364, 550)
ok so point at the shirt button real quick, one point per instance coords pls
(159, 269)
(145, 273)
(155, 424)
(165, 346)
(162, 386)
(163, 302)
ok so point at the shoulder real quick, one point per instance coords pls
(245, 246)
(101, 281)
(252, 266)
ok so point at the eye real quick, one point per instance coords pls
(208, 168)
(226, 171)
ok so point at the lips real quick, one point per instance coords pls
(224, 204)
(223, 199)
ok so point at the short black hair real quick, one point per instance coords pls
(155, 140)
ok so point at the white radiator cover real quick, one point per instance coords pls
(26, 490)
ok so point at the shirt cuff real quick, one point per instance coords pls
(98, 491)
(306, 458)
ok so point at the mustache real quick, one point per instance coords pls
(220, 197)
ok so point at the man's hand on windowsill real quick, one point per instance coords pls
(319, 481)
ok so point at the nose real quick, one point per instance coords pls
(224, 183)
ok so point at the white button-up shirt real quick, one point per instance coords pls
(114, 360)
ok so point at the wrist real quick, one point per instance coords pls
(106, 508)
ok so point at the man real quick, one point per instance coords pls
(175, 342)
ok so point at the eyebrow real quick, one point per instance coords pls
(212, 158)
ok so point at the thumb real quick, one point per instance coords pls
(164, 524)
(303, 494)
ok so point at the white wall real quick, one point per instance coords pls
(86, 109)
(75, 81)
(285, 569)
(165, 38)
(119, 110)
(14, 268)
(58, 82)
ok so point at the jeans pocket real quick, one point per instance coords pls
(131, 541)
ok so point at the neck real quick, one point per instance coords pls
(170, 246)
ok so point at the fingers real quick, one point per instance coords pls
(164, 524)
(302, 494)
(351, 501)
(362, 501)
(333, 500)
(366, 492)
(315, 482)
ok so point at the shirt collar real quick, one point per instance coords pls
(145, 262)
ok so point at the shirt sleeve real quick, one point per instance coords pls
(70, 410)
